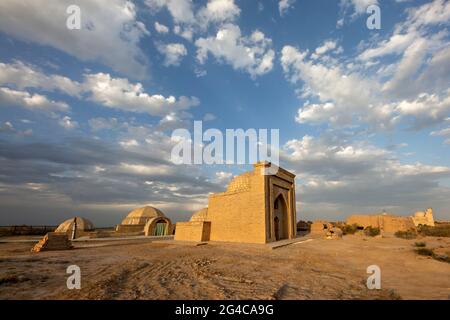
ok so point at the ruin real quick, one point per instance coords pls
(255, 208)
(424, 218)
(76, 227)
(53, 241)
(387, 223)
(146, 220)
(320, 227)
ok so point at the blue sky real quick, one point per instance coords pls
(86, 115)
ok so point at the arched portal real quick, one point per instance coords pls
(160, 226)
(280, 219)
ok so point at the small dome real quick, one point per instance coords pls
(200, 215)
(240, 183)
(142, 215)
(82, 224)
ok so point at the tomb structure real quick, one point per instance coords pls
(255, 208)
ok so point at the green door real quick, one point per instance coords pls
(160, 229)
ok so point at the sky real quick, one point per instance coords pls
(87, 115)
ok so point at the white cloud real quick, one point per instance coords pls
(218, 11)
(160, 28)
(432, 13)
(111, 92)
(359, 6)
(284, 6)
(23, 76)
(67, 123)
(181, 10)
(426, 109)
(185, 32)
(129, 143)
(173, 53)
(343, 95)
(412, 86)
(396, 44)
(346, 178)
(223, 177)
(7, 127)
(252, 54)
(110, 32)
(355, 7)
(119, 93)
(187, 20)
(35, 102)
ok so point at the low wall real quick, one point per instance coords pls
(193, 231)
(130, 228)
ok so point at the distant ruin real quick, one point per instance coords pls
(424, 218)
(389, 223)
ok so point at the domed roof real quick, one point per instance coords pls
(240, 183)
(200, 215)
(82, 224)
(142, 215)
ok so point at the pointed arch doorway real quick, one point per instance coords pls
(280, 219)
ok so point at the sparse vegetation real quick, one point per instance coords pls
(425, 252)
(409, 234)
(420, 244)
(347, 229)
(440, 230)
(371, 231)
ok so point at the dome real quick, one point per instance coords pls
(142, 215)
(82, 224)
(240, 183)
(201, 215)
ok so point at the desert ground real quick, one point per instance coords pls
(312, 269)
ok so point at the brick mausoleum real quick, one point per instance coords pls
(256, 208)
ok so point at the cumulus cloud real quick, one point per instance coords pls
(67, 123)
(337, 178)
(118, 93)
(22, 76)
(218, 11)
(110, 32)
(371, 90)
(34, 102)
(173, 53)
(284, 6)
(252, 54)
(185, 17)
(160, 28)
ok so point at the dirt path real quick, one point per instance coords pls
(319, 269)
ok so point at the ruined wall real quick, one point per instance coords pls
(320, 226)
(193, 231)
(424, 218)
(364, 220)
(386, 223)
(393, 224)
(130, 228)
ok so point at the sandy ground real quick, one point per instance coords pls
(316, 269)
